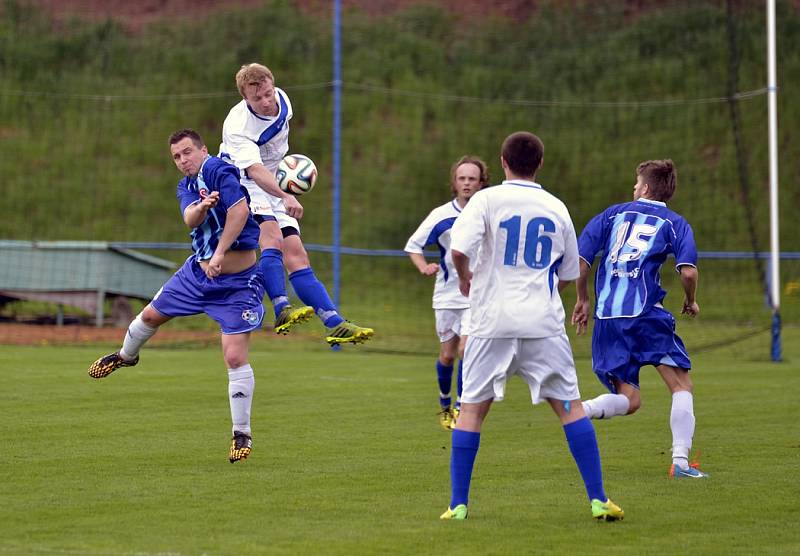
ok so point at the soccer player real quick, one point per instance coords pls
(631, 327)
(220, 278)
(528, 255)
(468, 175)
(255, 137)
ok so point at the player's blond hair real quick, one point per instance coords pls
(469, 159)
(252, 75)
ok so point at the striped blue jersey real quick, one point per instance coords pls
(435, 230)
(216, 175)
(635, 239)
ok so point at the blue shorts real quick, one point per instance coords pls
(233, 300)
(622, 346)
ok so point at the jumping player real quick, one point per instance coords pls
(255, 137)
(451, 308)
(631, 327)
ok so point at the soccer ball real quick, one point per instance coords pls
(296, 174)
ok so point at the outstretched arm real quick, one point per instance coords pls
(689, 279)
(580, 314)
(266, 181)
(424, 267)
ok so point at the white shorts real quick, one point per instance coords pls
(546, 364)
(451, 323)
(264, 204)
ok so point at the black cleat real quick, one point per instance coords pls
(241, 446)
(110, 363)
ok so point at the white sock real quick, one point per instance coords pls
(241, 384)
(138, 333)
(606, 406)
(681, 421)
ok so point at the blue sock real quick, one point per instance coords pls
(312, 292)
(460, 383)
(462, 458)
(271, 265)
(583, 445)
(444, 373)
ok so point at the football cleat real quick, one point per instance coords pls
(289, 316)
(349, 332)
(460, 512)
(456, 412)
(691, 472)
(447, 419)
(110, 363)
(606, 511)
(241, 446)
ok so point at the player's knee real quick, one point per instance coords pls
(296, 259)
(446, 359)
(151, 317)
(234, 359)
(634, 403)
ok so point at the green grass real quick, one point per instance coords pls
(348, 459)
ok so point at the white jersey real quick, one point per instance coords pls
(526, 241)
(435, 230)
(248, 138)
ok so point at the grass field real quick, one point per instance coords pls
(348, 459)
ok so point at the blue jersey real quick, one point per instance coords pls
(635, 239)
(216, 175)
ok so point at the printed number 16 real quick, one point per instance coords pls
(538, 247)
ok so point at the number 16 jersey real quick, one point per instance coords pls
(527, 244)
(635, 239)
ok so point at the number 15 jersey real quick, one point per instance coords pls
(527, 244)
(635, 239)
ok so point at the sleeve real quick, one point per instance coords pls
(685, 247)
(419, 239)
(185, 196)
(470, 227)
(226, 180)
(570, 268)
(242, 150)
(591, 241)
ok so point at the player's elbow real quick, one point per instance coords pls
(689, 273)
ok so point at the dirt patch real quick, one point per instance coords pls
(135, 15)
(30, 334)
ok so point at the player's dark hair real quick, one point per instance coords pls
(523, 153)
(483, 180)
(661, 178)
(183, 133)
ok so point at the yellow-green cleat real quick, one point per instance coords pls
(289, 316)
(347, 332)
(606, 511)
(241, 446)
(460, 512)
(446, 418)
(110, 363)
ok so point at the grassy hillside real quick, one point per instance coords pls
(85, 109)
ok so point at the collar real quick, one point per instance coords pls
(523, 183)
(652, 202)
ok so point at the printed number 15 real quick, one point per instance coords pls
(538, 247)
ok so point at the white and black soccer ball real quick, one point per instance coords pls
(296, 174)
